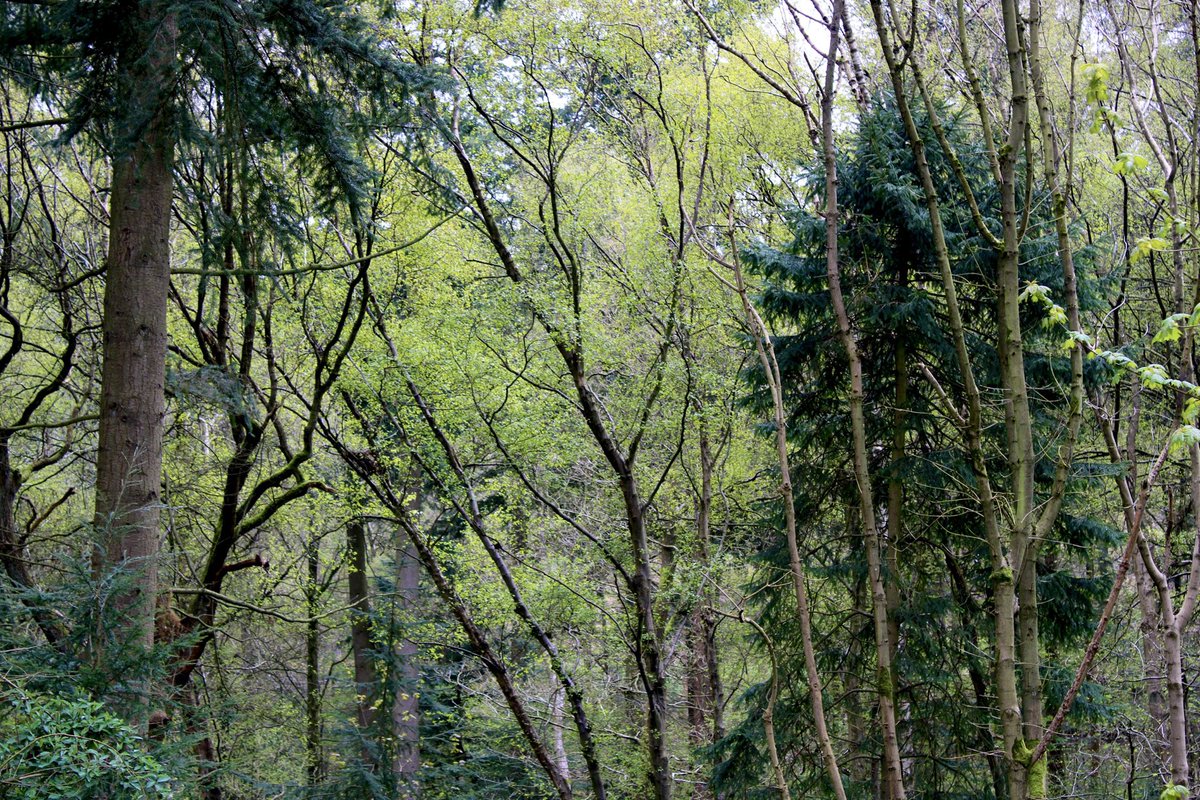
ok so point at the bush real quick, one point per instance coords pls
(72, 748)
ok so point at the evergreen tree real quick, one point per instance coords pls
(308, 76)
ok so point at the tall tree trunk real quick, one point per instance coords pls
(366, 683)
(703, 678)
(483, 649)
(886, 678)
(770, 365)
(556, 725)
(860, 763)
(312, 671)
(137, 277)
(406, 708)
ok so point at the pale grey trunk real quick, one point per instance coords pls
(406, 708)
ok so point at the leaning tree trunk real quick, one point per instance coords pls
(137, 277)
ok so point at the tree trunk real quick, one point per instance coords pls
(312, 673)
(137, 277)
(770, 365)
(406, 709)
(703, 680)
(12, 551)
(366, 683)
(886, 677)
(556, 724)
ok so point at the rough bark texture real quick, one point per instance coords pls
(129, 458)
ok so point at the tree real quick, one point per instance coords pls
(126, 83)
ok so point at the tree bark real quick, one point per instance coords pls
(137, 278)
(312, 667)
(886, 677)
(406, 708)
(766, 355)
(366, 681)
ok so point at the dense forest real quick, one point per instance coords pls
(612, 399)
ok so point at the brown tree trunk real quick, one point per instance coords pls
(312, 671)
(770, 365)
(137, 277)
(12, 550)
(703, 679)
(366, 681)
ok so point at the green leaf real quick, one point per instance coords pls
(1153, 375)
(1034, 292)
(1129, 163)
(1170, 330)
(1173, 792)
(1145, 246)
(1183, 438)
(1056, 316)
(1096, 83)
(1191, 410)
(1083, 340)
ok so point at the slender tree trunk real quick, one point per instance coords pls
(312, 667)
(703, 679)
(1177, 708)
(766, 355)
(474, 518)
(366, 681)
(1005, 551)
(483, 650)
(886, 677)
(197, 728)
(137, 277)
(860, 766)
(556, 725)
(406, 708)
(651, 668)
(1153, 661)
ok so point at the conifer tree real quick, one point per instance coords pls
(307, 76)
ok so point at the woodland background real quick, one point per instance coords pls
(599, 399)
